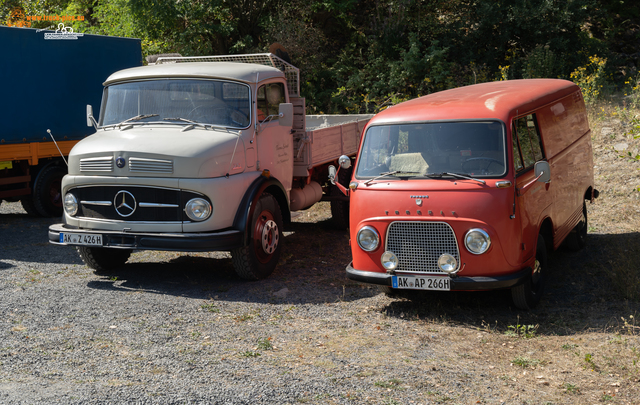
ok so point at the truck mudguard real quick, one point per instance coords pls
(245, 210)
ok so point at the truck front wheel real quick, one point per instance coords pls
(101, 259)
(259, 258)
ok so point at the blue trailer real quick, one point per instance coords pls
(48, 80)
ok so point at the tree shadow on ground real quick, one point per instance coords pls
(586, 290)
(311, 270)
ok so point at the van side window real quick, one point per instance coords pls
(528, 140)
(517, 160)
(269, 98)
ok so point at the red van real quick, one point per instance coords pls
(469, 188)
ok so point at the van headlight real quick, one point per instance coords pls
(477, 241)
(198, 209)
(389, 260)
(70, 204)
(448, 263)
(368, 239)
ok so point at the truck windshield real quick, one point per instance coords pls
(434, 150)
(214, 102)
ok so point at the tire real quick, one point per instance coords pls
(340, 209)
(102, 259)
(29, 206)
(577, 239)
(527, 295)
(47, 191)
(260, 257)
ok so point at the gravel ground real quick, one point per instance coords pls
(182, 328)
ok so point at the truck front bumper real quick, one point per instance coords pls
(457, 283)
(183, 242)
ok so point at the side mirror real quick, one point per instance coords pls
(89, 115)
(344, 162)
(286, 114)
(91, 122)
(543, 168)
(332, 174)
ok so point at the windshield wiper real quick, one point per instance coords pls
(458, 175)
(190, 122)
(136, 118)
(393, 173)
(180, 119)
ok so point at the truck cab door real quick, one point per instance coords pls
(274, 141)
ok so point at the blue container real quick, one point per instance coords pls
(48, 79)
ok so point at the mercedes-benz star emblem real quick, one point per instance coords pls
(120, 162)
(125, 203)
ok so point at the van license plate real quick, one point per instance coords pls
(84, 239)
(421, 283)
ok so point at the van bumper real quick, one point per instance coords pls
(457, 283)
(183, 242)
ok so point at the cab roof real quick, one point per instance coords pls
(493, 100)
(244, 72)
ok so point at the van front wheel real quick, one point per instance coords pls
(527, 295)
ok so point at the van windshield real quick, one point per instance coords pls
(213, 102)
(434, 150)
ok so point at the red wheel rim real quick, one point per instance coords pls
(266, 236)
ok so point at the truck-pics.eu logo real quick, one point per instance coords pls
(62, 33)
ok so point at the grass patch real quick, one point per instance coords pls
(571, 388)
(250, 353)
(525, 362)
(393, 383)
(211, 307)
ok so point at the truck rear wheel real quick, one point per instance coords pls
(47, 191)
(527, 296)
(28, 205)
(101, 259)
(259, 258)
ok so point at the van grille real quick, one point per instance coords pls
(97, 164)
(150, 165)
(418, 245)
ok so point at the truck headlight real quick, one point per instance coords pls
(198, 209)
(368, 238)
(477, 241)
(70, 204)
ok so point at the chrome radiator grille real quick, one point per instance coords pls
(150, 165)
(132, 203)
(418, 245)
(97, 164)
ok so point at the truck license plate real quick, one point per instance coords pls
(421, 283)
(84, 239)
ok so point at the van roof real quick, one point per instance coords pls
(501, 100)
(244, 72)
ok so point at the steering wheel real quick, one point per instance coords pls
(198, 114)
(239, 118)
(486, 159)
